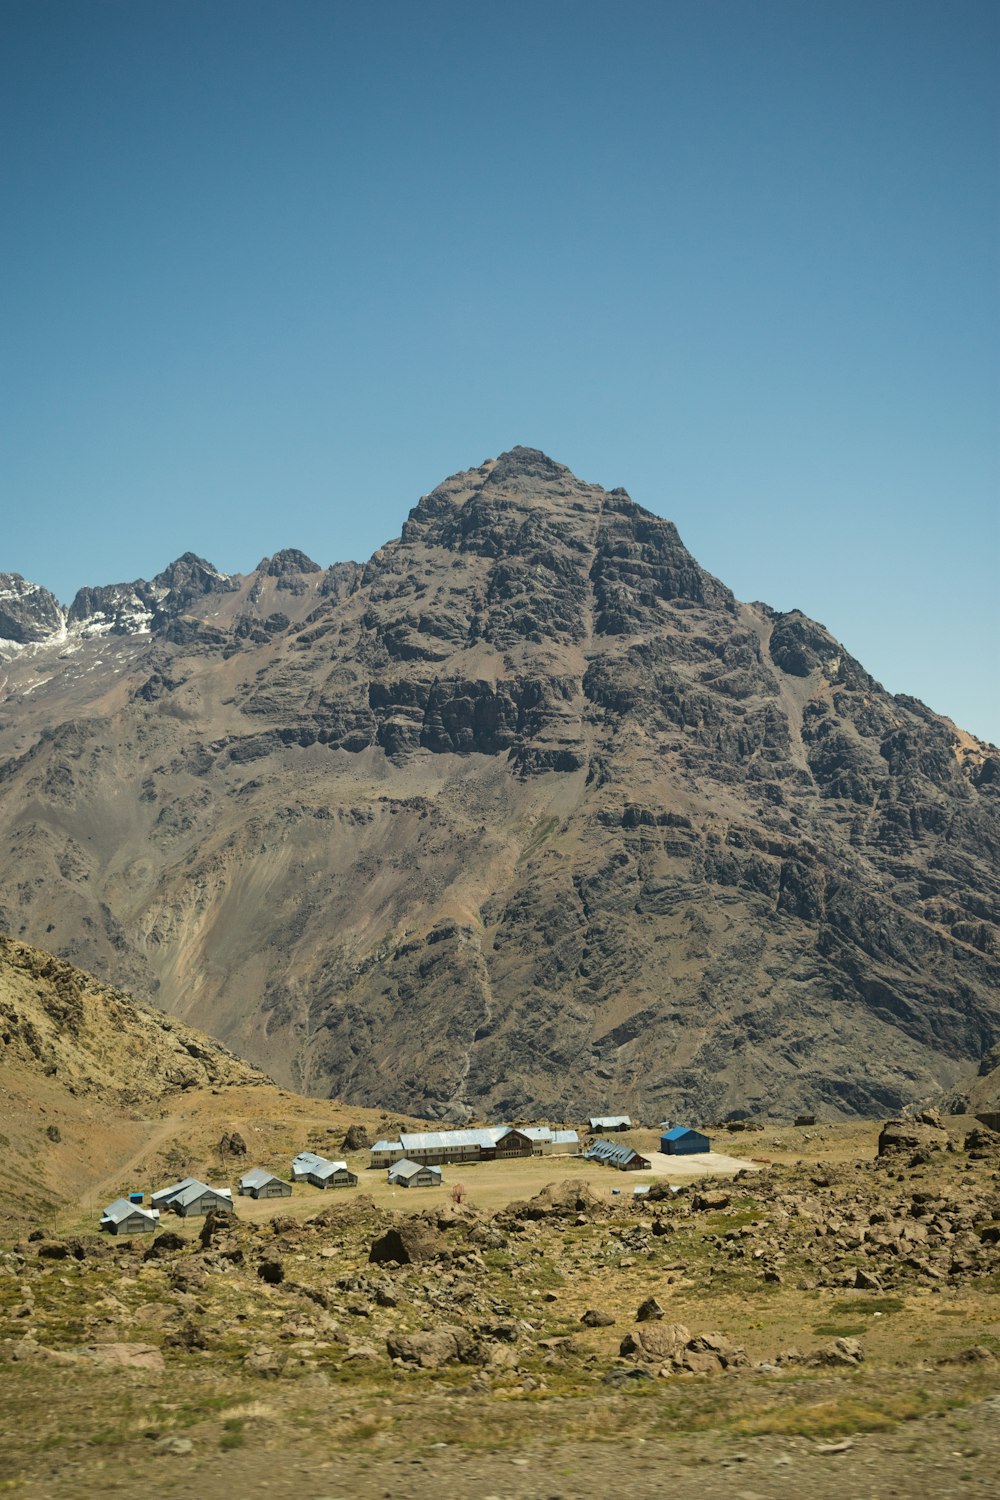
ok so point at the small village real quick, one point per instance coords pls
(415, 1160)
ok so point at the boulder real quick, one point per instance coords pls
(165, 1244)
(910, 1135)
(268, 1363)
(649, 1311)
(560, 1200)
(654, 1342)
(356, 1138)
(408, 1243)
(592, 1318)
(838, 1354)
(127, 1356)
(433, 1347)
(673, 1346)
(709, 1354)
(710, 1201)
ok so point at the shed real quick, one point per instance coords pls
(303, 1164)
(682, 1141)
(258, 1183)
(610, 1122)
(161, 1198)
(414, 1174)
(611, 1154)
(192, 1199)
(331, 1174)
(125, 1217)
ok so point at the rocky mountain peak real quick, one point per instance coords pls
(28, 612)
(528, 813)
(288, 560)
(190, 576)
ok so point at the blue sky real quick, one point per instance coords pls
(269, 271)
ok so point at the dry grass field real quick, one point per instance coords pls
(264, 1347)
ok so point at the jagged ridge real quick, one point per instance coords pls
(528, 813)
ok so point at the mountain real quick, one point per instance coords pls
(528, 814)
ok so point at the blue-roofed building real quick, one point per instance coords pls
(681, 1141)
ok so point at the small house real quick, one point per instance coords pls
(331, 1174)
(193, 1199)
(610, 1122)
(611, 1154)
(257, 1183)
(126, 1217)
(414, 1174)
(161, 1198)
(680, 1141)
(303, 1164)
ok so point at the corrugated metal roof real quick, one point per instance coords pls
(407, 1168)
(483, 1137)
(196, 1189)
(304, 1158)
(437, 1140)
(122, 1209)
(610, 1122)
(167, 1193)
(328, 1168)
(679, 1130)
(258, 1176)
(611, 1153)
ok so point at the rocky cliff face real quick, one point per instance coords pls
(527, 813)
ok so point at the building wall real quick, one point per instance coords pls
(134, 1224)
(688, 1145)
(204, 1205)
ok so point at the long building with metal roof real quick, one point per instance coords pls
(479, 1143)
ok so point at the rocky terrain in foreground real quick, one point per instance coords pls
(526, 815)
(789, 1316)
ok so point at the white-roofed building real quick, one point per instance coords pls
(303, 1163)
(192, 1199)
(125, 1217)
(409, 1174)
(259, 1183)
(479, 1143)
(331, 1174)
